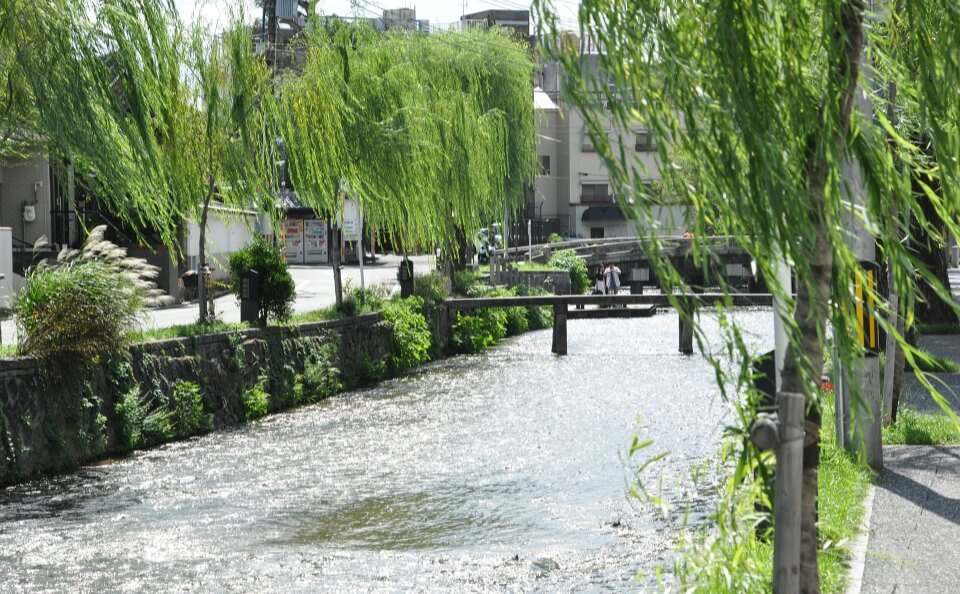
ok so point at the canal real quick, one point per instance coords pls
(503, 471)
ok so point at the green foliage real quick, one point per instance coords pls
(80, 309)
(277, 290)
(538, 318)
(929, 362)
(941, 328)
(357, 301)
(323, 314)
(407, 119)
(555, 238)
(183, 415)
(475, 333)
(726, 555)
(568, 260)
(256, 400)
(916, 428)
(185, 331)
(411, 340)
(364, 371)
(465, 282)
(431, 288)
(130, 415)
(321, 377)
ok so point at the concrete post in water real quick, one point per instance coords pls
(686, 328)
(560, 328)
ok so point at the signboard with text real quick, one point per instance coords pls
(351, 220)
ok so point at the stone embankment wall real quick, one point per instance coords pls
(54, 417)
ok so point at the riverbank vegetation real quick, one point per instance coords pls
(856, 138)
(733, 552)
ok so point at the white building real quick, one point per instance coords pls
(574, 185)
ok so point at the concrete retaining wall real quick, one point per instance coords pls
(54, 418)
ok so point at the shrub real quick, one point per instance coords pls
(321, 377)
(187, 415)
(554, 238)
(363, 371)
(357, 301)
(568, 260)
(431, 288)
(256, 401)
(475, 333)
(277, 290)
(82, 308)
(181, 416)
(131, 414)
(515, 317)
(411, 341)
(538, 317)
(464, 281)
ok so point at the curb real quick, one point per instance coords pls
(858, 547)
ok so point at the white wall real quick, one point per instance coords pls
(228, 230)
(6, 266)
(26, 181)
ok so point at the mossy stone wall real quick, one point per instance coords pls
(57, 416)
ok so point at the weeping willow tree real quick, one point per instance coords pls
(95, 83)
(433, 134)
(230, 129)
(784, 107)
(158, 120)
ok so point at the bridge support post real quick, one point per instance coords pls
(560, 328)
(686, 327)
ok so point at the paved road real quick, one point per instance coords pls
(314, 291)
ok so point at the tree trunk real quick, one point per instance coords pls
(813, 298)
(932, 251)
(202, 259)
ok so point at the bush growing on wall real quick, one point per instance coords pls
(277, 290)
(410, 346)
(82, 308)
(538, 317)
(568, 260)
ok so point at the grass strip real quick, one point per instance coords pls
(185, 331)
(916, 428)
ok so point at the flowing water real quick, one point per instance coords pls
(506, 471)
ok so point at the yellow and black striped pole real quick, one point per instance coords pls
(864, 288)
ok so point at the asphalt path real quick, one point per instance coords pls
(314, 286)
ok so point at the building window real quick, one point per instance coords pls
(595, 194)
(645, 141)
(586, 144)
(544, 164)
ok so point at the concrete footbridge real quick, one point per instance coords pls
(724, 258)
(607, 306)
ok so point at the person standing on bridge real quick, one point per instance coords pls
(599, 282)
(612, 274)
